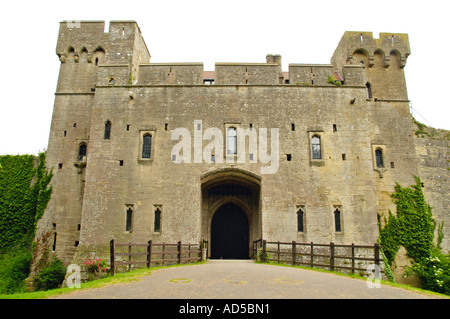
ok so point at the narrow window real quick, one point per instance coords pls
(343, 157)
(146, 146)
(392, 165)
(76, 243)
(60, 165)
(289, 157)
(300, 220)
(74, 124)
(79, 227)
(82, 152)
(316, 147)
(157, 227)
(65, 133)
(129, 220)
(231, 140)
(128, 127)
(96, 61)
(292, 126)
(54, 242)
(337, 220)
(107, 130)
(120, 163)
(379, 158)
(334, 128)
(368, 90)
(166, 126)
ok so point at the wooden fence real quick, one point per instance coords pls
(151, 253)
(332, 256)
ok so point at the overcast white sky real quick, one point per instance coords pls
(214, 31)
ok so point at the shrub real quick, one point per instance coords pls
(52, 276)
(14, 269)
(433, 272)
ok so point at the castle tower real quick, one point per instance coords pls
(84, 49)
(383, 59)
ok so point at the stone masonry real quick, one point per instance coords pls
(119, 172)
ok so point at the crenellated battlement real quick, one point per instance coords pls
(389, 46)
(124, 59)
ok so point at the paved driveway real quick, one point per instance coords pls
(242, 280)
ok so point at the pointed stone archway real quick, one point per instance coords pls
(231, 217)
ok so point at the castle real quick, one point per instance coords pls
(171, 152)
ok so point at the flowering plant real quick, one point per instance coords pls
(95, 265)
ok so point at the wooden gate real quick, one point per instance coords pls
(229, 233)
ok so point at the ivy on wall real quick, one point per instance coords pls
(412, 228)
(24, 193)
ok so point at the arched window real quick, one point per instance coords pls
(300, 220)
(337, 220)
(157, 226)
(129, 220)
(107, 130)
(379, 158)
(82, 152)
(231, 140)
(146, 146)
(316, 147)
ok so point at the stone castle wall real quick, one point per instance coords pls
(107, 77)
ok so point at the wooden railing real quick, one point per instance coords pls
(151, 253)
(332, 256)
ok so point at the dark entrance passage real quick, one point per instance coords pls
(229, 233)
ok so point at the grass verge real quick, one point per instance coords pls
(134, 275)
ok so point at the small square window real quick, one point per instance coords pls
(289, 157)
(60, 165)
(120, 163)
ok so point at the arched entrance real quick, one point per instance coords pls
(229, 233)
(231, 218)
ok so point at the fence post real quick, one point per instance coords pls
(353, 258)
(179, 252)
(129, 255)
(163, 254)
(201, 250)
(331, 256)
(113, 257)
(294, 253)
(278, 252)
(376, 251)
(264, 252)
(149, 254)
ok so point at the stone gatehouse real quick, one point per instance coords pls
(174, 152)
